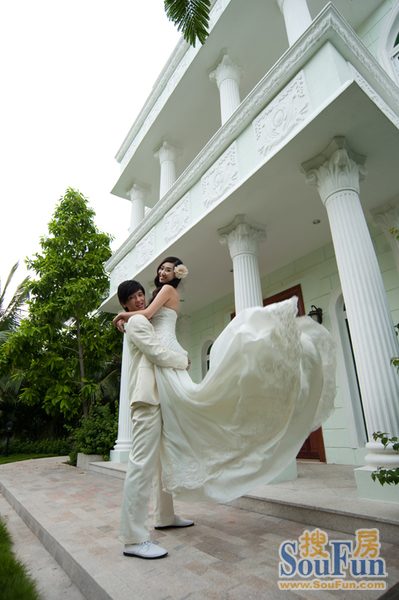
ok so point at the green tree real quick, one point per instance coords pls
(191, 18)
(65, 346)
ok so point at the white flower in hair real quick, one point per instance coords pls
(181, 271)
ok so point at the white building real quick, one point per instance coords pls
(267, 160)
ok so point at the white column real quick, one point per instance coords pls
(123, 444)
(137, 197)
(296, 16)
(389, 219)
(336, 173)
(183, 328)
(167, 155)
(227, 77)
(242, 237)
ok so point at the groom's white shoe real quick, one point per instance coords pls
(178, 522)
(144, 550)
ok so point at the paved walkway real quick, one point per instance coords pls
(52, 582)
(230, 554)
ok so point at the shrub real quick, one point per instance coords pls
(57, 447)
(386, 475)
(95, 435)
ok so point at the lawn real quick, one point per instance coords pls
(15, 582)
(17, 457)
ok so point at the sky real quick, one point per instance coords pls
(74, 76)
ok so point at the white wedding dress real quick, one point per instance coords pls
(271, 382)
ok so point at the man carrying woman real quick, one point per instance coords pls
(143, 465)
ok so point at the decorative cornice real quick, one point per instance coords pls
(328, 26)
(376, 98)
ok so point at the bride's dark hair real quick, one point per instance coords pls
(175, 282)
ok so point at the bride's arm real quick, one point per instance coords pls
(167, 293)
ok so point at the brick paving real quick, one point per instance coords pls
(230, 553)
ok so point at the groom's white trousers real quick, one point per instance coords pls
(143, 469)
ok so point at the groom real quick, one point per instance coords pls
(145, 350)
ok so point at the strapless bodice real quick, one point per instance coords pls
(164, 323)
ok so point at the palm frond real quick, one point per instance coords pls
(191, 18)
(4, 335)
(10, 276)
(10, 316)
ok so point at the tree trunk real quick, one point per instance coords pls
(81, 365)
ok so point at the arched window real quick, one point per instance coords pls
(205, 352)
(388, 47)
(348, 372)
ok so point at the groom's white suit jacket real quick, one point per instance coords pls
(146, 350)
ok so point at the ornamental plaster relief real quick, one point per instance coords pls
(145, 249)
(121, 272)
(176, 219)
(222, 176)
(282, 115)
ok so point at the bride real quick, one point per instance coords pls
(271, 382)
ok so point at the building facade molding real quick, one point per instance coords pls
(290, 107)
(329, 25)
(221, 177)
(177, 219)
(145, 249)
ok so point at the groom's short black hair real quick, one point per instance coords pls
(127, 288)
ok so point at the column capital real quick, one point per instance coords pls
(138, 192)
(168, 151)
(386, 217)
(242, 236)
(226, 69)
(336, 168)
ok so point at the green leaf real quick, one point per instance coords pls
(191, 18)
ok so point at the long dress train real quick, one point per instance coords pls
(271, 382)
